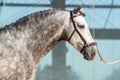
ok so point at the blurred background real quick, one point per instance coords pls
(64, 62)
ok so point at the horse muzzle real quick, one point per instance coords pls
(89, 53)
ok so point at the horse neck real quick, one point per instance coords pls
(46, 37)
(46, 41)
(36, 37)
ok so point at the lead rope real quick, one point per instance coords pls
(99, 53)
(103, 60)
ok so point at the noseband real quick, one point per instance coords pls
(75, 29)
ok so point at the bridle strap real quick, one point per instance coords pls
(88, 45)
(75, 29)
(71, 15)
(71, 35)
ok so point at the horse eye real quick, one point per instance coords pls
(81, 26)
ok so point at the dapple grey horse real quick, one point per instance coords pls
(25, 42)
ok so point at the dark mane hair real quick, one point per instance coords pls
(35, 17)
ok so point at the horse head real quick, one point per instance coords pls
(77, 33)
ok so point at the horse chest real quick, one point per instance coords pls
(16, 67)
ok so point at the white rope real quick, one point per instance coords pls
(100, 55)
(106, 62)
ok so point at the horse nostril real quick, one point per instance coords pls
(93, 54)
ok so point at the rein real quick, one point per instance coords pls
(75, 29)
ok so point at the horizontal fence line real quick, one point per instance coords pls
(105, 33)
(49, 5)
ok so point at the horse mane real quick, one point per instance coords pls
(33, 17)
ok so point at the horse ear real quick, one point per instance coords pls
(77, 10)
